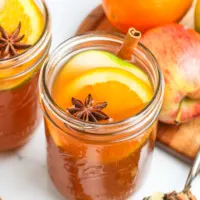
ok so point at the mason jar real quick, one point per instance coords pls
(102, 161)
(19, 100)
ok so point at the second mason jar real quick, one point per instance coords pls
(19, 102)
(102, 161)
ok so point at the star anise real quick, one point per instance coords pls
(88, 111)
(9, 44)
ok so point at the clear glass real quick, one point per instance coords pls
(19, 101)
(98, 161)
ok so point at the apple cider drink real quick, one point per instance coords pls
(100, 115)
(24, 44)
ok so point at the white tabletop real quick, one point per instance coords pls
(23, 175)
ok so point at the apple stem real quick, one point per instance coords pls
(130, 42)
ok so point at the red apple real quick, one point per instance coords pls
(177, 50)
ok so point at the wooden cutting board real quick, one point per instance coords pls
(182, 141)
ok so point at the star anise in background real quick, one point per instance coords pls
(88, 111)
(9, 44)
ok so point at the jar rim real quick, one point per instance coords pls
(30, 53)
(50, 103)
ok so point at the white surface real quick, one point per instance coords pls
(23, 175)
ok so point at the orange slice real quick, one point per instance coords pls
(25, 11)
(119, 88)
(32, 25)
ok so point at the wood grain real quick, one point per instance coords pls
(182, 141)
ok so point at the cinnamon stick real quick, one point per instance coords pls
(130, 42)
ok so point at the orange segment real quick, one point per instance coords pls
(25, 11)
(125, 93)
(118, 96)
(32, 25)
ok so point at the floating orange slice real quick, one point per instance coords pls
(25, 11)
(32, 25)
(125, 93)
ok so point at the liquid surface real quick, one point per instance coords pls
(124, 87)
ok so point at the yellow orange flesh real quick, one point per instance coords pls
(125, 94)
(28, 13)
(32, 25)
(119, 84)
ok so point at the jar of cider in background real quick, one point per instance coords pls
(19, 101)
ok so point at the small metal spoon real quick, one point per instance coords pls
(195, 170)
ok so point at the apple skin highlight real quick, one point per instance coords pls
(177, 50)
